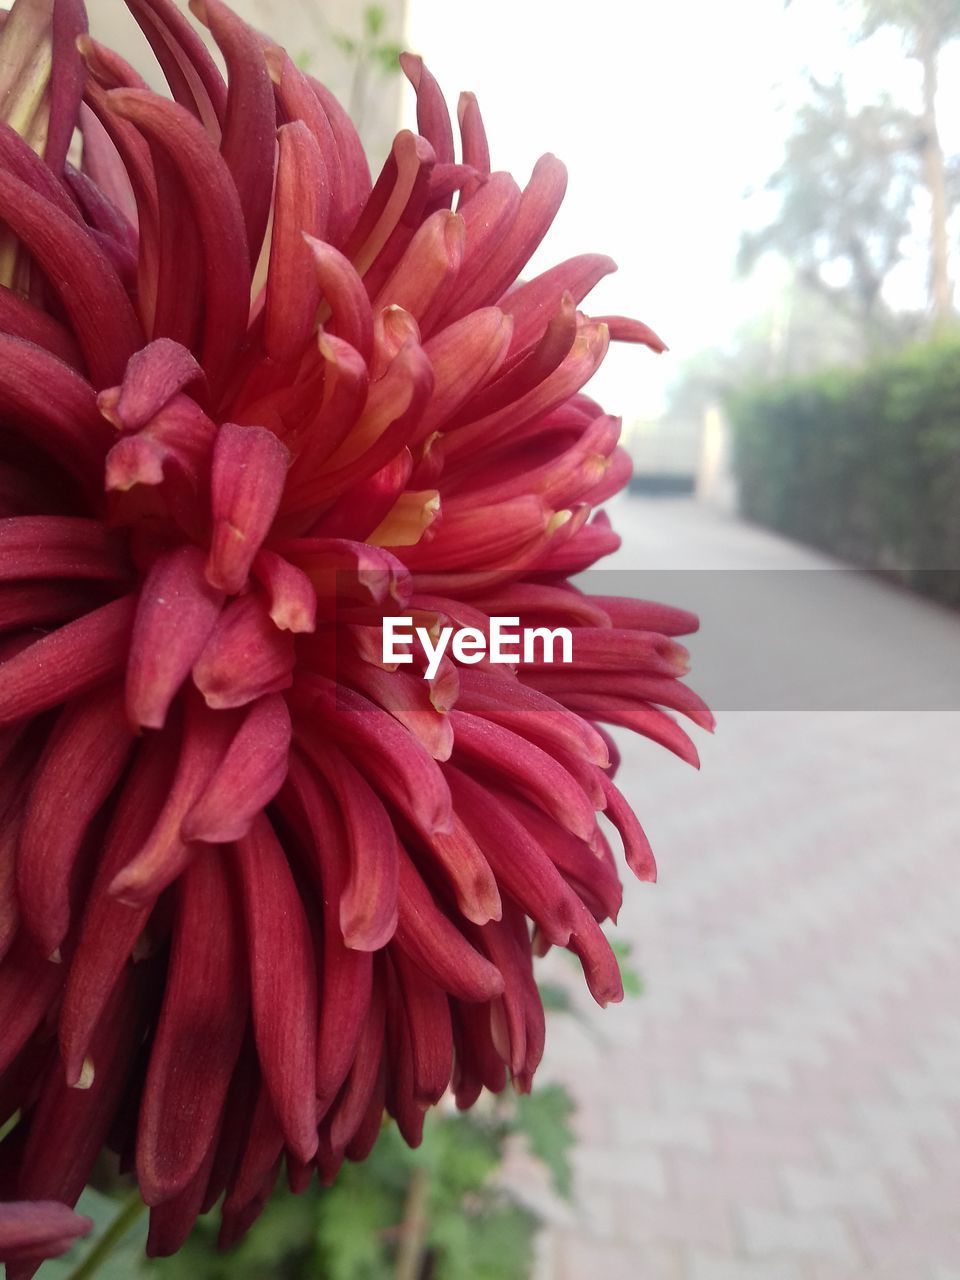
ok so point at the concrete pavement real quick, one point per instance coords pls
(783, 1102)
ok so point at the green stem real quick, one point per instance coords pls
(127, 1215)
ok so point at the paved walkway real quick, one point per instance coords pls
(783, 1102)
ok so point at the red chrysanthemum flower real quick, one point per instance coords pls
(257, 887)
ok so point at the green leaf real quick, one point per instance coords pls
(496, 1244)
(373, 19)
(388, 57)
(555, 998)
(354, 1217)
(544, 1117)
(632, 982)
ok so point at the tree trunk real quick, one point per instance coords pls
(934, 176)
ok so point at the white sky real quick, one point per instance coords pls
(665, 114)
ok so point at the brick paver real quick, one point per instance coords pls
(783, 1102)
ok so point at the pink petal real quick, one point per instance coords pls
(67, 662)
(301, 205)
(347, 306)
(250, 775)
(176, 614)
(245, 657)
(292, 599)
(249, 470)
(433, 118)
(152, 378)
(39, 1228)
(368, 899)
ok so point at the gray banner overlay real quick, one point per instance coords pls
(805, 640)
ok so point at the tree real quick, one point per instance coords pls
(925, 27)
(845, 188)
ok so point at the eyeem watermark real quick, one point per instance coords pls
(506, 643)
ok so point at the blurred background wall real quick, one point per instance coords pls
(350, 45)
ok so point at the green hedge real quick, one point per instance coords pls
(864, 463)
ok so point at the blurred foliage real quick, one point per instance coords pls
(632, 982)
(846, 188)
(368, 51)
(862, 463)
(852, 179)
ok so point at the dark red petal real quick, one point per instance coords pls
(60, 547)
(395, 762)
(20, 319)
(110, 929)
(206, 739)
(436, 946)
(249, 127)
(189, 69)
(29, 984)
(77, 771)
(427, 1011)
(199, 1033)
(55, 407)
(209, 187)
(292, 599)
(283, 983)
(70, 1125)
(345, 974)
(522, 868)
(100, 312)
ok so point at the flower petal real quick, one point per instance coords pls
(249, 470)
(246, 656)
(199, 1032)
(301, 206)
(283, 984)
(67, 662)
(249, 776)
(80, 765)
(176, 614)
